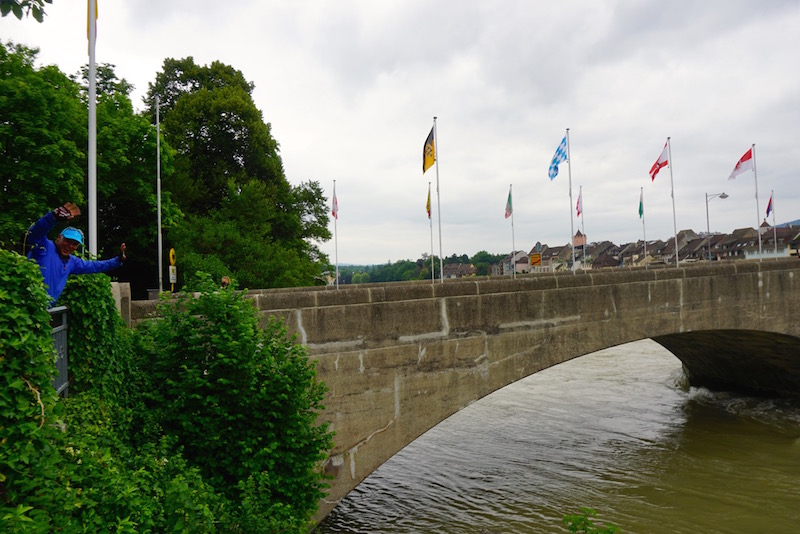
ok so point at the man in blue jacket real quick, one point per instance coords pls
(55, 258)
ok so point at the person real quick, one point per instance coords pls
(55, 258)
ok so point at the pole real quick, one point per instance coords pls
(774, 228)
(571, 224)
(158, 197)
(430, 223)
(758, 209)
(92, 182)
(644, 230)
(672, 187)
(513, 242)
(438, 200)
(583, 228)
(708, 231)
(336, 235)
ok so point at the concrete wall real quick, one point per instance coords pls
(399, 358)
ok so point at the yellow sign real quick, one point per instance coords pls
(536, 259)
(172, 256)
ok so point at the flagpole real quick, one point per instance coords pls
(438, 199)
(672, 193)
(336, 234)
(758, 209)
(571, 223)
(774, 228)
(583, 227)
(92, 182)
(513, 242)
(430, 223)
(644, 230)
(158, 197)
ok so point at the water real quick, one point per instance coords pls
(617, 431)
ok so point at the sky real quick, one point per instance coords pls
(351, 89)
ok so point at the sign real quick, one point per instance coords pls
(172, 256)
(536, 260)
(173, 274)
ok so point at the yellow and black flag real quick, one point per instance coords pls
(428, 153)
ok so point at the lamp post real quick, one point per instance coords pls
(709, 198)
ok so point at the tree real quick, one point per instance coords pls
(42, 135)
(26, 7)
(244, 219)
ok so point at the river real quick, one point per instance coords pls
(617, 431)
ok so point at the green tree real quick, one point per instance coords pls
(24, 7)
(244, 219)
(42, 135)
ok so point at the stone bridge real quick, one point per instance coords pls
(399, 358)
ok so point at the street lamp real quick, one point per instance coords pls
(723, 196)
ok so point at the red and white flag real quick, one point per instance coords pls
(335, 204)
(743, 165)
(579, 205)
(661, 162)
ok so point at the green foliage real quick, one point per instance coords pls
(200, 422)
(244, 219)
(241, 401)
(29, 462)
(583, 523)
(24, 7)
(42, 135)
(147, 487)
(235, 241)
(99, 353)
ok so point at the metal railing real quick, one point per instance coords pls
(58, 321)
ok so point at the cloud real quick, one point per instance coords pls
(351, 88)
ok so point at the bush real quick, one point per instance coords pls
(199, 422)
(242, 402)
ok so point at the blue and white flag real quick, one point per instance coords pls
(559, 157)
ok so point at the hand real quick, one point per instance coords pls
(122, 256)
(67, 211)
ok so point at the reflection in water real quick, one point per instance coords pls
(616, 431)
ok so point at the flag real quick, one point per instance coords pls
(661, 162)
(744, 164)
(579, 205)
(641, 204)
(769, 206)
(428, 152)
(509, 209)
(428, 205)
(335, 208)
(559, 157)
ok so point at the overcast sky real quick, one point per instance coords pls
(351, 88)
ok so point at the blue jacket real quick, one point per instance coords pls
(56, 269)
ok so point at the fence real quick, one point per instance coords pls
(58, 321)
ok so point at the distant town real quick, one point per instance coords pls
(742, 244)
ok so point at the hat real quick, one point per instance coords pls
(72, 233)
